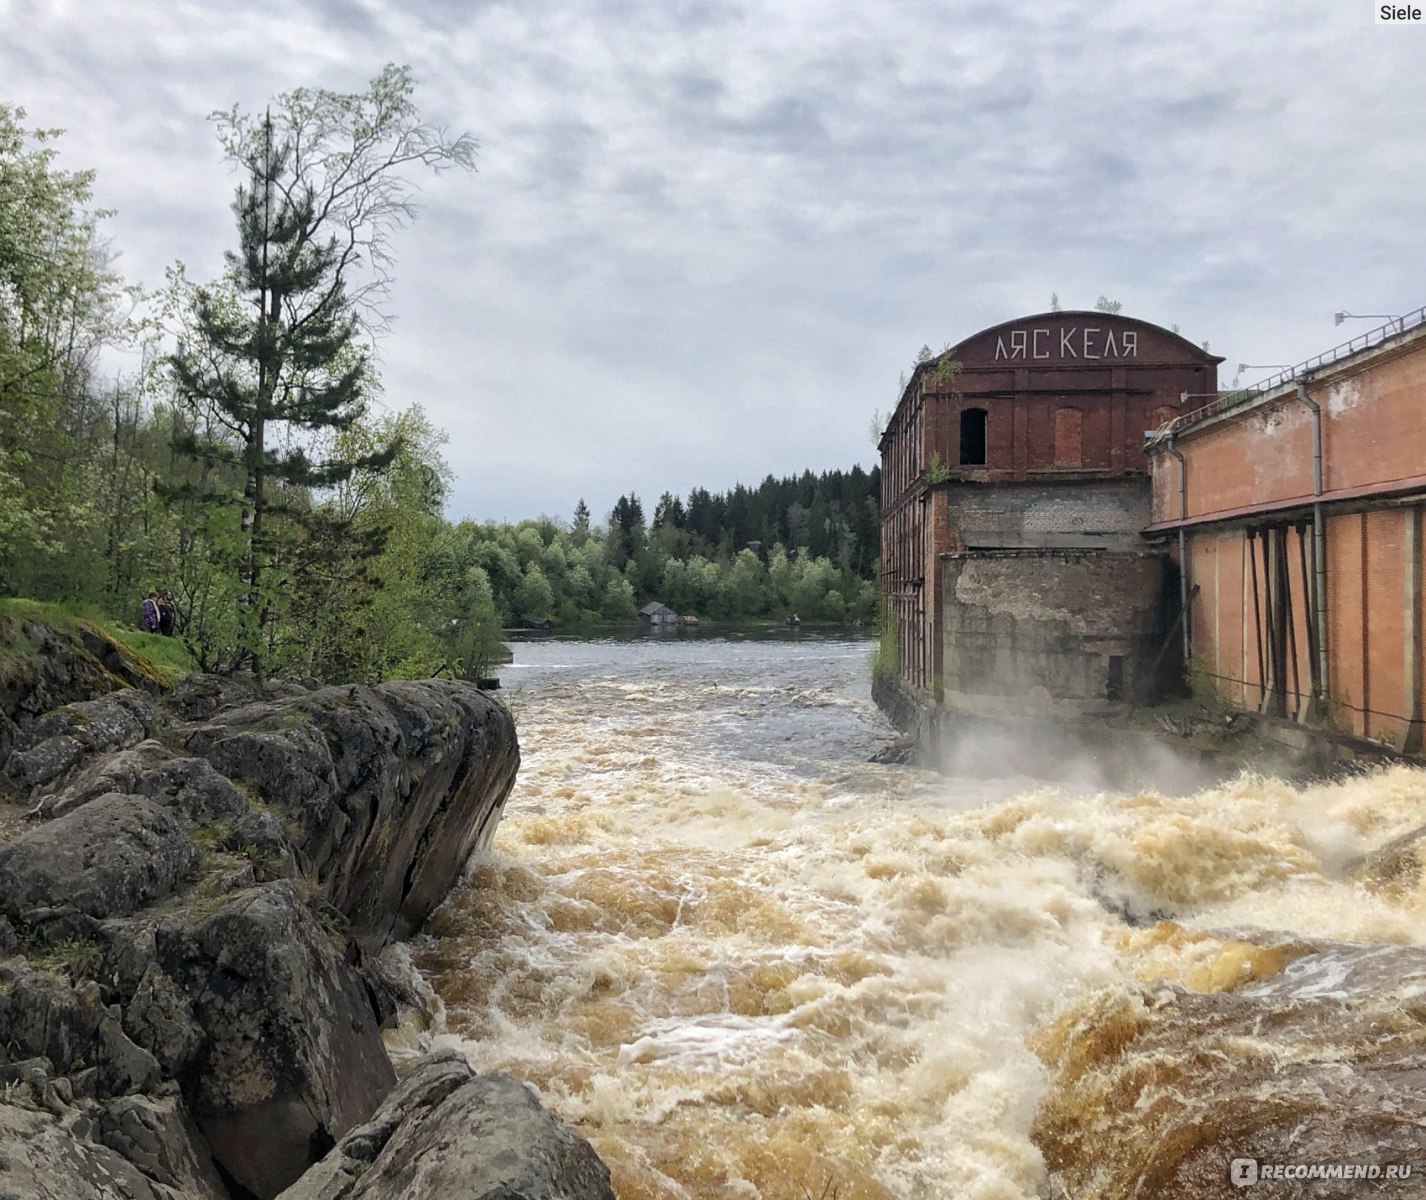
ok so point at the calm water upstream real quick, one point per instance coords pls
(746, 962)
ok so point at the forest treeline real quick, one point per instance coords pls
(299, 523)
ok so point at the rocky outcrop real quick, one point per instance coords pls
(269, 1031)
(43, 667)
(46, 1156)
(447, 1134)
(109, 858)
(1315, 1060)
(157, 1135)
(386, 791)
(192, 923)
(60, 741)
(68, 1030)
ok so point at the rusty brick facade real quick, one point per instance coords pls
(1297, 511)
(1033, 446)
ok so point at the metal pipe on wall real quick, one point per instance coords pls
(1182, 539)
(1319, 541)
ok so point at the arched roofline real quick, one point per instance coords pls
(1197, 352)
(1194, 352)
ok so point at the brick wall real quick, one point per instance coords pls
(1373, 433)
(1250, 477)
(1067, 398)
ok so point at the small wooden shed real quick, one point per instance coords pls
(655, 613)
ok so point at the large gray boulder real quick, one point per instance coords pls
(446, 1133)
(387, 791)
(109, 858)
(157, 1135)
(44, 1156)
(194, 920)
(268, 1030)
(151, 769)
(60, 741)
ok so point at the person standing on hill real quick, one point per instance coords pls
(165, 613)
(148, 618)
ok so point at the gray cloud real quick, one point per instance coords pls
(705, 238)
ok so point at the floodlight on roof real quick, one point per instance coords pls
(1338, 318)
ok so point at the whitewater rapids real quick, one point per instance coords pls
(745, 962)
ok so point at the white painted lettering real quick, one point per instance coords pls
(1076, 342)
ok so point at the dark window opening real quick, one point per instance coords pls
(1114, 689)
(973, 437)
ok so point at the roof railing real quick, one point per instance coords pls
(1227, 401)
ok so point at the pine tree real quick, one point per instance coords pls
(580, 529)
(627, 533)
(274, 358)
(669, 511)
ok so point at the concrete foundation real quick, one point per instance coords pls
(1055, 630)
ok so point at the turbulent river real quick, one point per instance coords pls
(746, 962)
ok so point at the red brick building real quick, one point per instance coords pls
(1014, 490)
(1296, 511)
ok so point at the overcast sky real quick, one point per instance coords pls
(705, 237)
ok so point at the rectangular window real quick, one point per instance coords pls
(1114, 687)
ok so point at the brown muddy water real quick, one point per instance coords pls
(746, 962)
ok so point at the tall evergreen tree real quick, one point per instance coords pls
(669, 511)
(580, 529)
(273, 357)
(627, 533)
(274, 354)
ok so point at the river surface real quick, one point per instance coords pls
(746, 962)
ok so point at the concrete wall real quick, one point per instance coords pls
(1043, 625)
(1106, 514)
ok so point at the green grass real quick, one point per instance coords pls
(164, 659)
(168, 654)
(212, 836)
(886, 660)
(57, 613)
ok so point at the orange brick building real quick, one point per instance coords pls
(1295, 511)
(1014, 491)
